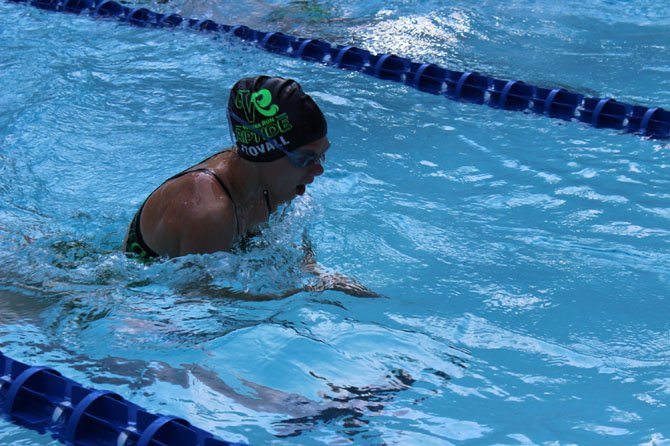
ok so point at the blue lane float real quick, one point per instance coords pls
(41, 399)
(652, 122)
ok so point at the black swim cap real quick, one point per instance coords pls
(266, 112)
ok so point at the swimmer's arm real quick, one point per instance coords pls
(322, 280)
(325, 282)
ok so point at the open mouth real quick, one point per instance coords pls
(300, 189)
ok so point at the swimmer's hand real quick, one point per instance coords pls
(326, 280)
(337, 282)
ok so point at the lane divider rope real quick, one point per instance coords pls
(652, 122)
(43, 400)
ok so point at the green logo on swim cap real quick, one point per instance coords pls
(271, 123)
(262, 99)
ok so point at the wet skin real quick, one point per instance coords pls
(193, 215)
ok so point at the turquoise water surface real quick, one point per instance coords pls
(523, 263)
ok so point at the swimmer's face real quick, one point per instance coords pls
(300, 168)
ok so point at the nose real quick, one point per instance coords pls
(316, 169)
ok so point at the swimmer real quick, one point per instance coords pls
(281, 141)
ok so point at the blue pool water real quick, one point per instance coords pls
(523, 262)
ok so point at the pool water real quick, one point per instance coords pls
(522, 263)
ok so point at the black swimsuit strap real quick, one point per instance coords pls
(266, 195)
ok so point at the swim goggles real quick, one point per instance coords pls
(302, 159)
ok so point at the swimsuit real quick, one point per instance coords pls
(135, 243)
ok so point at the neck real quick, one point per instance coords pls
(252, 184)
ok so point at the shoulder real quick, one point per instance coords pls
(193, 215)
(208, 222)
(198, 187)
